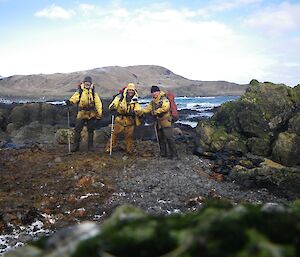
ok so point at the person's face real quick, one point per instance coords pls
(87, 85)
(155, 94)
(130, 92)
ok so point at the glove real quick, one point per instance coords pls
(68, 103)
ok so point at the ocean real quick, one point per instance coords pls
(193, 108)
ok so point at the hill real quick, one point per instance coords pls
(110, 79)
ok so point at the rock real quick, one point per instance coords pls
(28, 251)
(294, 124)
(23, 237)
(62, 135)
(211, 138)
(3, 119)
(271, 175)
(34, 132)
(212, 231)
(287, 149)
(260, 145)
(253, 122)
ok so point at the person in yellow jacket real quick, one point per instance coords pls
(127, 110)
(159, 108)
(89, 109)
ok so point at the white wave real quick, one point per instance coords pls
(193, 124)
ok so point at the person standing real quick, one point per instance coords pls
(159, 108)
(127, 109)
(89, 109)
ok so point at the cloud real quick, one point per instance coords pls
(221, 5)
(277, 19)
(183, 40)
(55, 12)
(179, 39)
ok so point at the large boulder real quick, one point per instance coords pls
(253, 122)
(100, 135)
(34, 132)
(271, 175)
(287, 149)
(215, 138)
(294, 124)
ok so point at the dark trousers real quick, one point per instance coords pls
(167, 142)
(80, 123)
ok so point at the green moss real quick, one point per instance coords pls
(292, 95)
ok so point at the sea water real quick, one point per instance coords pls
(201, 106)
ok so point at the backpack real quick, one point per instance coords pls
(173, 107)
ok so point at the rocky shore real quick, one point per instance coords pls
(248, 152)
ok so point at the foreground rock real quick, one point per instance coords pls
(219, 229)
(264, 122)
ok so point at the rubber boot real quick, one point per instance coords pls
(163, 149)
(173, 150)
(91, 142)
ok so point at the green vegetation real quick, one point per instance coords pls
(219, 229)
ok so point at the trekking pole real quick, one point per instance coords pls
(69, 136)
(156, 135)
(111, 134)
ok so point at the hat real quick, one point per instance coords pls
(131, 86)
(154, 89)
(87, 79)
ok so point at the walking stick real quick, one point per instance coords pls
(156, 135)
(111, 134)
(69, 136)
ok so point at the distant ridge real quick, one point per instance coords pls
(109, 80)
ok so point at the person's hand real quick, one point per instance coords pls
(68, 103)
(139, 112)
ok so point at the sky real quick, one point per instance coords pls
(235, 40)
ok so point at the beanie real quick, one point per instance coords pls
(154, 89)
(87, 79)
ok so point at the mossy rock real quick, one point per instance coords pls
(62, 136)
(219, 229)
(270, 175)
(260, 145)
(287, 149)
(294, 124)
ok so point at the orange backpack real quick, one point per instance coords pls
(173, 107)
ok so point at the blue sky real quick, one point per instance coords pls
(233, 40)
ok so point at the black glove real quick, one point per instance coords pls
(68, 103)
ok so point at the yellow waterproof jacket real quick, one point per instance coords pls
(127, 113)
(89, 106)
(159, 107)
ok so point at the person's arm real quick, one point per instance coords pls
(147, 109)
(114, 104)
(74, 98)
(165, 107)
(98, 105)
(138, 109)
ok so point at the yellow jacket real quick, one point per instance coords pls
(159, 107)
(126, 112)
(89, 106)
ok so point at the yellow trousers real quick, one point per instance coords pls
(128, 134)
